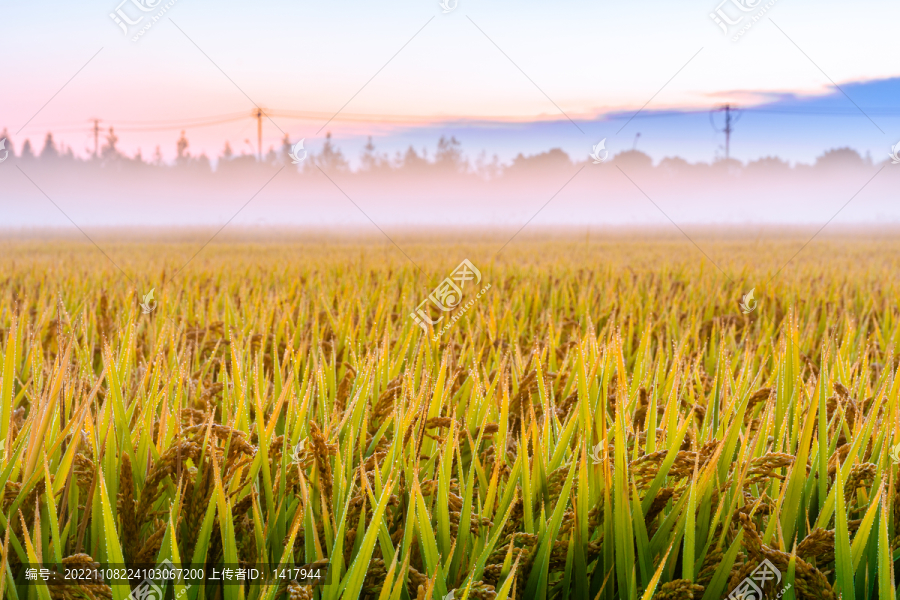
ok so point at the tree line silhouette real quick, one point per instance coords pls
(447, 158)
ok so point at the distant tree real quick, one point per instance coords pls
(286, 148)
(554, 158)
(449, 155)
(331, 158)
(201, 163)
(412, 161)
(839, 158)
(244, 161)
(109, 150)
(488, 170)
(674, 164)
(370, 161)
(49, 152)
(183, 156)
(368, 158)
(157, 157)
(634, 159)
(27, 152)
(227, 152)
(731, 166)
(769, 164)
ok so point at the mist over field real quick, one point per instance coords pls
(447, 187)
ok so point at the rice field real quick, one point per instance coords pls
(604, 422)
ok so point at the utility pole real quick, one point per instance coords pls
(96, 135)
(727, 131)
(636, 136)
(732, 115)
(259, 116)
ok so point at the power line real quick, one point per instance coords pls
(886, 112)
(180, 126)
(193, 122)
(732, 115)
(236, 114)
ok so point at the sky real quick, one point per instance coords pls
(505, 77)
